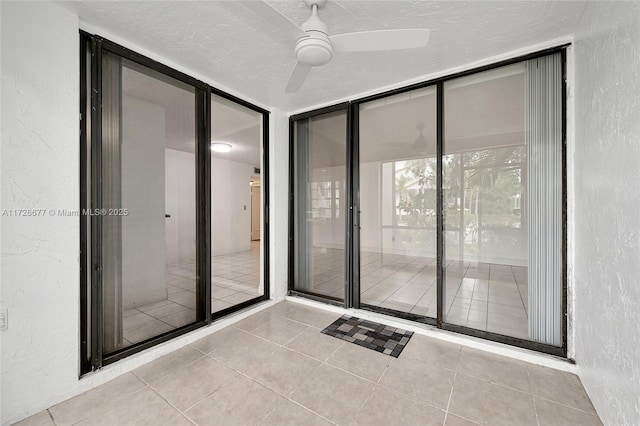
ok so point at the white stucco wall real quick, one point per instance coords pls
(279, 205)
(40, 170)
(607, 208)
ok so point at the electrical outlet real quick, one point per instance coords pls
(4, 319)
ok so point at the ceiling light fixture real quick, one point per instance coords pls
(220, 147)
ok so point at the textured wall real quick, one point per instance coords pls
(279, 206)
(40, 169)
(607, 208)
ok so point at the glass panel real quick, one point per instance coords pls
(319, 192)
(489, 132)
(148, 193)
(236, 204)
(398, 202)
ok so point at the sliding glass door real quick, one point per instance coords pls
(454, 206)
(484, 176)
(148, 194)
(236, 205)
(319, 168)
(502, 178)
(397, 175)
(172, 229)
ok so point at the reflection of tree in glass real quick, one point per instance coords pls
(494, 177)
(416, 192)
(482, 194)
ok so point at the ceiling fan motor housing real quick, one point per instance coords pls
(315, 49)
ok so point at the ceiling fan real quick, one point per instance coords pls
(315, 47)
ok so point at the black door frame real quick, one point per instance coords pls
(344, 106)
(91, 310)
(352, 300)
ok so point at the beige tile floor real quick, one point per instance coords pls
(235, 279)
(483, 296)
(276, 368)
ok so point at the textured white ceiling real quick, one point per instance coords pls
(223, 41)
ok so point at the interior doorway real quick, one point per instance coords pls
(256, 206)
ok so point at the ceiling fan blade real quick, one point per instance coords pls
(297, 77)
(368, 41)
(275, 18)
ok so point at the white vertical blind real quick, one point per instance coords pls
(544, 145)
(303, 241)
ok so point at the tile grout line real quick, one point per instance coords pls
(309, 409)
(453, 383)
(474, 422)
(556, 402)
(51, 417)
(182, 413)
(375, 386)
(446, 411)
(295, 337)
(145, 386)
(535, 410)
(533, 399)
(213, 391)
(267, 415)
(279, 344)
(275, 343)
(287, 397)
(348, 372)
(497, 384)
(530, 393)
(563, 405)
(409, 397)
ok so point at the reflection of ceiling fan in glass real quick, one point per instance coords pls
(419, 146)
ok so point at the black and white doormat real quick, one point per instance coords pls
(369, 334)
